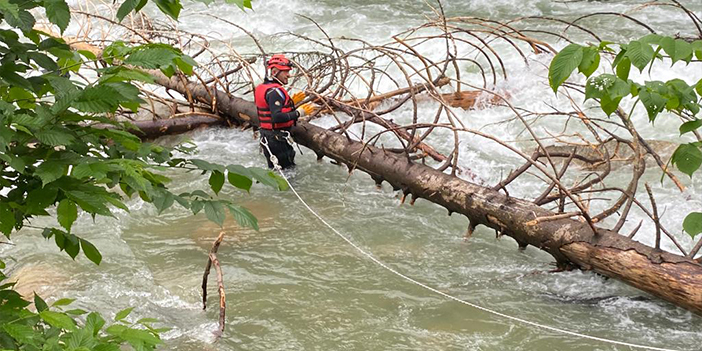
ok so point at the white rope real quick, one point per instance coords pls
(427, 287)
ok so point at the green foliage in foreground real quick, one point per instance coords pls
(56, 327)
(676, 95)
(61, 155)
(55, 151)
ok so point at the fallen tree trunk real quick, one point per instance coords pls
(671, 277)
(156, 128)
(571, 242)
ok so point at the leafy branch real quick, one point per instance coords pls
(676, 95)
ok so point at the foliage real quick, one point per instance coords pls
(676, 95)
(51, 152)
(57, 328)
(56, 152)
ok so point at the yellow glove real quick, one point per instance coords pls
(306, 109)
(297, 97)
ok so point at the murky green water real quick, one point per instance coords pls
(294, 285)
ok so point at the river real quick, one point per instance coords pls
(294, 285)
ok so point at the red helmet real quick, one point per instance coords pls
(280, 62)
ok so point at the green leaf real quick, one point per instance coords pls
(590, 61)
(50, 170)
(94, 322)
(264, 176)
(216, 181)
(125, 91)
(90, 202)
(152, 57)
(206, 166)
(688, 158)
(196, 206)
(682, 96)
(144, 336)
(40, 198)
(67, 213)
(90, 251)
(115, 329)
(55, 137)
(146, 321)
(40, 304)
(623, 68)
(77, 312)
(653, 102)
(121, 73)
(65, 93)
(140, 6)
(239, 177)
(123, 314)
(58, 13)
(640, 54)
(609, 104)
(168, 71)
(183, 202)
(9, 9)
(698, 87)
(98, 99)
(184, 67)
(24, 21)
(87, 54)
(189, 60)
(59, 238)
(241, 3)
(82, 170)
(677, 49)
(169, 7)
(9, 74)
(114, 200)
(44, 61)
(214, 212)
(79, 341)
(693, 224)
(58, 319)
(243, 216)
(7, 219)
(22, 333)
(126, 7)
(651, 38)
(609, 88)
(71, 245)
(563, 65)
(690, 126)
(163, 201)
(16, 163)
(621, 55)
(62, 302)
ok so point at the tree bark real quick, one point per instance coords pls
(571, 242)
(159, 127)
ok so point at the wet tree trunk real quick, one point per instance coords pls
(156, 128)
(571, 242)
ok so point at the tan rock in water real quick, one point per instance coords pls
(45, 279)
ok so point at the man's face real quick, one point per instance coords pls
(282, 76)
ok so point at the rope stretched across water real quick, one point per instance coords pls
(277, 167)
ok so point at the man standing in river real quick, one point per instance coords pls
(277, 112)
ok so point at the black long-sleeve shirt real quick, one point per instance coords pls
(275, 98)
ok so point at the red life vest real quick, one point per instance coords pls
(264, 111)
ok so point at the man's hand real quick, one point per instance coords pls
(297, 97)
(306, 109)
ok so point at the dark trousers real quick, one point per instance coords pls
(280, 147)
